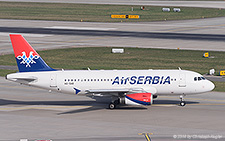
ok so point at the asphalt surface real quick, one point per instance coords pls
(202, 34)
(208, 4)
(152, 35)
(4, 67)
(32, 113)
(215, 78)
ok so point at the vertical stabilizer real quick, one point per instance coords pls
(28, 60)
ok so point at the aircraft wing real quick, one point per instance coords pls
(129, 96)
(125, 90)
(122, 90)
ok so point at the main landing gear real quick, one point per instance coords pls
(113, 104)
(182, 102)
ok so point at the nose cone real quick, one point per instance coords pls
(210, 86)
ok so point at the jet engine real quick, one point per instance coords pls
(137, 99)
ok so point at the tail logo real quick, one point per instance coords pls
(27, 60)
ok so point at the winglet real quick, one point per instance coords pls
(27, 58)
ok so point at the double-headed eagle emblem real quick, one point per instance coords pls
(27, 60)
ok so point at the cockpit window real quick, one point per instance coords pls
(203, 78)
(199, 78)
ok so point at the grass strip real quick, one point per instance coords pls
(98, 13)
(220, 86)
(133, 58)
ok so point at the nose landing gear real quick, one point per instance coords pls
(182, 102)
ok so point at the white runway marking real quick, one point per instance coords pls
(80, 28)
(25, 35)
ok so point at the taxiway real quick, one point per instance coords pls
(33, 114)
(202, 34)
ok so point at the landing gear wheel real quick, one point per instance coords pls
(182, 103)
(112, 106)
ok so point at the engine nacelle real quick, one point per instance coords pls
(137, 99)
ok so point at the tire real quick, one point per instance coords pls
(112, 106)
(182, 103)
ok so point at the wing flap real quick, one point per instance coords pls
(125, 90)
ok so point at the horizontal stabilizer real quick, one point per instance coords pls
(20, 79)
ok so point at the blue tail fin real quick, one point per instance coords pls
(28, 60)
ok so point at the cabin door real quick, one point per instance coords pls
(53, 82)
(182, 80)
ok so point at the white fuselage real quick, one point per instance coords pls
(158, 82)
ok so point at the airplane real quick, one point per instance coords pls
(122, 87)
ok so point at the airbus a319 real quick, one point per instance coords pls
(124, 87)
